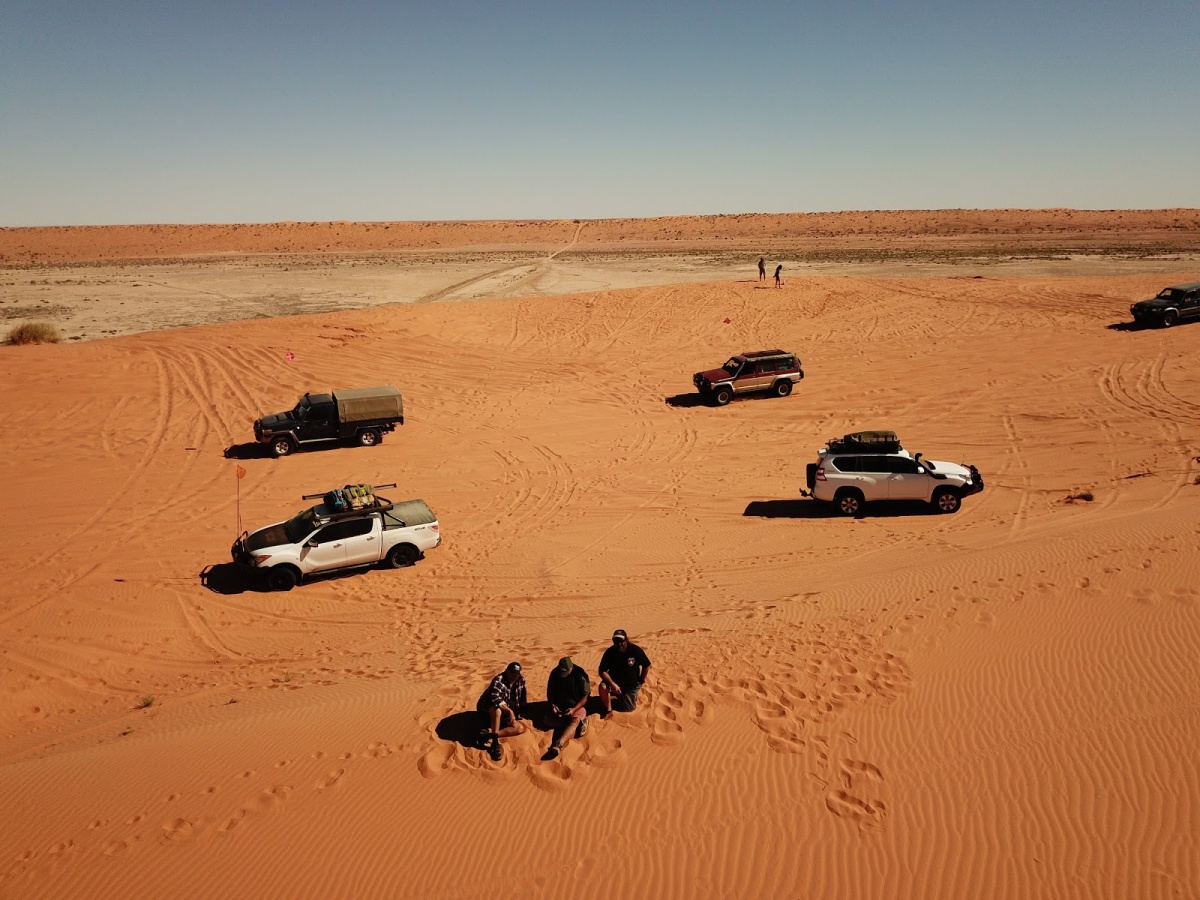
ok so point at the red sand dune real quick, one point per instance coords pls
(999, 703)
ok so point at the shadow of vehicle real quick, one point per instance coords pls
(229, 578)
(253, 450)
(689, 400)
(1128, 326)
(815, 509)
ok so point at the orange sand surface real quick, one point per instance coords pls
(998, 703)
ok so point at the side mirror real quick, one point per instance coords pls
(312, 543)
(920, 470)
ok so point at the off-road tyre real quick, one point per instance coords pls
(401, 556)
(946, 500)
(1170, 318)
(282, 446)
(781, 388)
(282, 578)
(368, 438)
(722, 395)
(849, 502)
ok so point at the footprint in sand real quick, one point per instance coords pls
(437, 759)
(177, 829)
(331, 779)
(699, 711)
(606, 754)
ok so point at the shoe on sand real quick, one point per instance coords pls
(550, 754)
(606, 714)
(581, 729)
(494, 751)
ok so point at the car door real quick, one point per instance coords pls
(362, 541)
(1190, 307)
(326, 549)
(320, 423)
(746, 378)
(873, 477)
(905, 482)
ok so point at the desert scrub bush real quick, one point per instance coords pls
(33, 333)
(146, 703)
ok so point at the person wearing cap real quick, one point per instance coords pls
(502, 707)
(623, 669)
(567, 689)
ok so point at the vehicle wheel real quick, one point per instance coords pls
(282, 446)
(781, 388)
(1170, 317)
(722, 396)
(946, 500)
(849, 502)
(282, 578)
(402, 555)
(368, 438)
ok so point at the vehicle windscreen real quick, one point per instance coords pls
(732, 365)
(1168, 294)
(301, 409)
(301, 526)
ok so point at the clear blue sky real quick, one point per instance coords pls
(140, 112)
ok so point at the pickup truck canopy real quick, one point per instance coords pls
(409, 512)
(361, 404)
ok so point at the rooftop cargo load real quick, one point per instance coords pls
(362, 404)
(866, 442)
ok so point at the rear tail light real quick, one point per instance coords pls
(820, 473)
(434, 526)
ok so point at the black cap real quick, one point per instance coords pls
(514, 667)
(620, 635)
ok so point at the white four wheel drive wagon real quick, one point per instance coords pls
(353, 527)
(869, 466)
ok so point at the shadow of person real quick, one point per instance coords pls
(228, 578)
(461, 728)
(248, 451)
(686, 401)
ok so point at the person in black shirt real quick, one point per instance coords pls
(502, 706)
(623, 671)
(567, 690)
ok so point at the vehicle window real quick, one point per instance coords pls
(338, 531)
(390, 521)
(1167, 293)
(846, 464)
(299, 527)
(358, 527)
(732, 365)
(900, 465)
(874, 464)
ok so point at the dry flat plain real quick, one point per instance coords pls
(999, 703)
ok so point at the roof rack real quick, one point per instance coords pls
(865, 442)
(349, 501)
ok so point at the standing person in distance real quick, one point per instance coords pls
(623, 669)
(762, 269)
(778, 280)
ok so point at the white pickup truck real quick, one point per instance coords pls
(323, 539)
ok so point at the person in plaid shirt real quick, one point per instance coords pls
(502, 707)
